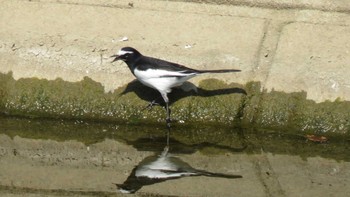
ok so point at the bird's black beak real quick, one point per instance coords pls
(116, 58)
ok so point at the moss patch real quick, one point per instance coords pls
(214, 103)
(86, 100)
(293, 110)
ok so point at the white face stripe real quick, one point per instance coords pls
(121, 52)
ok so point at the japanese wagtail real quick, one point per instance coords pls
(159, 74)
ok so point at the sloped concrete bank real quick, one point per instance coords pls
(294, 62)
(55, 65)
(214, 103)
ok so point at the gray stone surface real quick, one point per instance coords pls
(37, 43)
(310, 176)
(76, 44)
(312, 58)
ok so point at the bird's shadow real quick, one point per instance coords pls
(187, 89)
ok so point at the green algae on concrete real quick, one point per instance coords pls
(60, 99)
(214, 103)
(32, 97)
(293, 110)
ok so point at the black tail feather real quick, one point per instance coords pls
(219, 175)
(227, 176)
(219, 71)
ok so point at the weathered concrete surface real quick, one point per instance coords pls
(37, 43)
(325, 5)
(80, 45)
(319, 64)
(71, 168)
(294, 56)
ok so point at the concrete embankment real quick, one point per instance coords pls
(294, 60)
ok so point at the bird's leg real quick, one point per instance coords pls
(165, 97)
(166, 148)
(167, 139)
(168, 111)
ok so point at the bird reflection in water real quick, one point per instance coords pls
(159, 168)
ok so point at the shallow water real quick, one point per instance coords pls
(208, 139)
(125, 153)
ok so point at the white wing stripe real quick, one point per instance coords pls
(152, 73)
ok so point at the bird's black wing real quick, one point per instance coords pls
(154, 63)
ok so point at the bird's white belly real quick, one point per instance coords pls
(160, 82)
(161, 168)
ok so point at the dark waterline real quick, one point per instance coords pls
(184, 139)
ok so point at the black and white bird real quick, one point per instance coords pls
(159, 74)
(159, 168)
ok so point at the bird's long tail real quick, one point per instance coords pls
(219, 71)
(219, 175)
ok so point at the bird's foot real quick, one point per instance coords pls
(150, 105)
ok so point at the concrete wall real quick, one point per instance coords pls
(300, 47)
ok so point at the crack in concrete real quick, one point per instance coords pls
(267, 176)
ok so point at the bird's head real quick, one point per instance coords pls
(126, 54)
